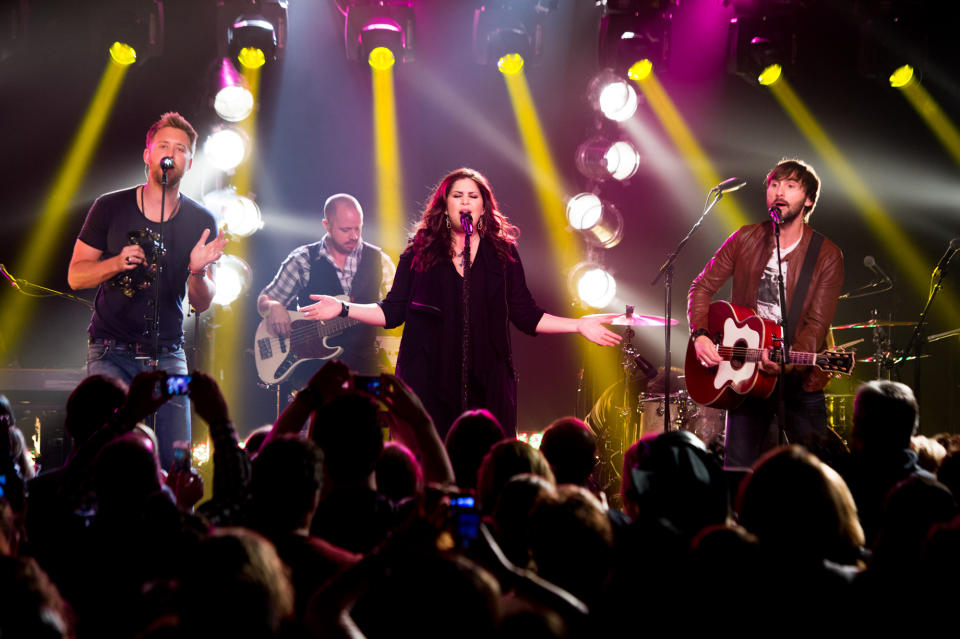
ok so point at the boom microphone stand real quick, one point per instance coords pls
(165, 165)
(666, 272)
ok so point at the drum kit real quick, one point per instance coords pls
(640, 414)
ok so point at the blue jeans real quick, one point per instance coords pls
(752, 427)
(173, 418)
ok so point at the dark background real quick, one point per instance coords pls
(315, 138)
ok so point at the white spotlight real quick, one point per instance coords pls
(598, 220)
(226, 148)
(232, 276)
(599, 159)
(593, 285)
(613, 96)
(239, 214)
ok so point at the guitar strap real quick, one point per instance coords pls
(803, 283)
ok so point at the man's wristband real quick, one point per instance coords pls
(202, 273)
(697, 333)
(344, 309)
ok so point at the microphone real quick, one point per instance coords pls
(871, 264)
(9, 278)
(166, 163)
(466, 221)
(953, 248)
(729, 185)
(775, 215)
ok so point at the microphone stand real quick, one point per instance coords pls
(21, 284)
(466, 221)
(916, 339)
(784, 335)
(666, 272)
(155, 351)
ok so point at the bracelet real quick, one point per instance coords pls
(697, 333)
(344, 309)
(202, 273)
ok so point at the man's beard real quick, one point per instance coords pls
(342, 248)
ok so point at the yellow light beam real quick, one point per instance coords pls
(934, 117)
(387, 163)
(676, 127)
(549, 188)
(547, 183)
(909, 257)
(34, 261)
(232, 332)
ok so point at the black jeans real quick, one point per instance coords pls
(752, 428)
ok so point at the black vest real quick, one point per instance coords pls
(357, 341)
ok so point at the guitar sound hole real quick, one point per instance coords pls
(739, 357)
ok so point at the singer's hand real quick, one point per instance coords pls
(203, 253)
(326, 308)
(130, 257)
(591, 327)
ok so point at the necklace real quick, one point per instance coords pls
(167, 217)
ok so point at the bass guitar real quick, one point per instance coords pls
(741, 337)
(277, 357)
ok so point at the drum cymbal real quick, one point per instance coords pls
(895, 360)
(642, 320)
(873, 323)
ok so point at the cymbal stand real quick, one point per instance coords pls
(629, 363)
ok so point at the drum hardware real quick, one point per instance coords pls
(873, 323)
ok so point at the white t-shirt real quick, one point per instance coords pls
(768, 295)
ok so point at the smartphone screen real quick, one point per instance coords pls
(182, 456)
(466, 520)
(367, 383)
(178, 384)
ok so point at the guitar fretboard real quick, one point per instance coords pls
(756, 354)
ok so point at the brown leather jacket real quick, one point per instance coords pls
(743, 256)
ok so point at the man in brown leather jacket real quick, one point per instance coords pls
(749, 257)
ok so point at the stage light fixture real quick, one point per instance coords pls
(253, 32)
(239, 214)
(902, 77)
(640, 70)
(510, 64)
(759, 50)
(509, 33)
(233, 101)
(133, 30)
(123, 53)
(381, 59)
(385, 24)
(592, 284)
(613, 96)
(599, 221)
(226, 148)
(634, 31)
(232, 276)
(599, 159)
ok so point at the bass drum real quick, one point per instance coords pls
(706, 423)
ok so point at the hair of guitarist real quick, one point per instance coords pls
(432, 237)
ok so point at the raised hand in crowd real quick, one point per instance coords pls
(332, 378)
(207, 399)
(144, 396)
(411, 425)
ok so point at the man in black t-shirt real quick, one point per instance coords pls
(115, 253)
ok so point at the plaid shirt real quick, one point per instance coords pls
(294, 273)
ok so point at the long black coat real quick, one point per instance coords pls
(429, 351)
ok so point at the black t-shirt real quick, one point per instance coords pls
(107, 228)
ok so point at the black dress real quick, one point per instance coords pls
(429, 304)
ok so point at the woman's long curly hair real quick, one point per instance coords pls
(432, 238)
